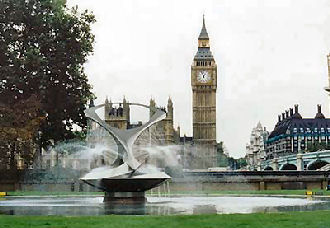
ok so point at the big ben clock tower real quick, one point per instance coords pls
(204, 87)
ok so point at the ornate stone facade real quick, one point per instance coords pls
(163, 133)
(117, 116)
(255, 149)
(204, 88)
(164, 129)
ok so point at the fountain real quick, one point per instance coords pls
(125, 181)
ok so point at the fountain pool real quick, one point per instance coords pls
(94, 205)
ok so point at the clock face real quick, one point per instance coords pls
(203, 76)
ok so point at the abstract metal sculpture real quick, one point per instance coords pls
(123, 180)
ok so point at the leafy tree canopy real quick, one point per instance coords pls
(19, 126)
(21, 121)
(43, 46)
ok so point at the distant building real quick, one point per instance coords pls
(118, 115)
(293, 134)
(199, 151)
(187, 157)
(256, 148)
(55, 157)
(204, 89)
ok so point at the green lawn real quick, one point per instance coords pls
(315, 219)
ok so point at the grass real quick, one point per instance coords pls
(313, 219)
(175, 193)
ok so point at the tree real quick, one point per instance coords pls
(241, 163)
(43, 46)
(222, 158)
(315, 146)
(19, 125)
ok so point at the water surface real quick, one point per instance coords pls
(87, 205)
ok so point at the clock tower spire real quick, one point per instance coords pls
(203, 39)
(204, 87)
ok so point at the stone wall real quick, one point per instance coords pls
(246, 180)
(190, 181)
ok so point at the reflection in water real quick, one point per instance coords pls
(125, 209)
(156, 205)
(204, 209)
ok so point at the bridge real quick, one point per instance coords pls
(250, 180)
(301, 161)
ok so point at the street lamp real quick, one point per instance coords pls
(40, 149)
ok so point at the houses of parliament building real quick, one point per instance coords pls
(198, 151)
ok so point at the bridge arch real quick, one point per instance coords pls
(289, 166)
(317, 164)
(268, 168)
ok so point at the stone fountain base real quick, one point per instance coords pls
(125, 180)
(125, 197)
(126, 190)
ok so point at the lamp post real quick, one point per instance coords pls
(327, 89)
(40, 149)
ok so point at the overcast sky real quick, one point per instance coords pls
(271, 54)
